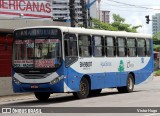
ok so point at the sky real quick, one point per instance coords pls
(134, 13)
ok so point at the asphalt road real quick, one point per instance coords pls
(108, 103)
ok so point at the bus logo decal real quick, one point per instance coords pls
(129, 64)
(85, 64)
(142, 60)
(121, 66)
(106, 64)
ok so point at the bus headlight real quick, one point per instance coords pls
(57, 79)
(16, 81)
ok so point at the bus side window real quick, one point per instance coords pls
(85, 48)
(141, 47)
(98, 46)
(70, 48)
(148, 47)
(66, 47)
(110, 46)
(122, 49)
(131, 44)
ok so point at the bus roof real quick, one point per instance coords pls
(94, 31)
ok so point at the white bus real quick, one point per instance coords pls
(81, 61)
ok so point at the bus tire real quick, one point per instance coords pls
(84, 89)
(95, 92)
(129, 85)
(42, 96)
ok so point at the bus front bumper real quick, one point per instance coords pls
(44, 87)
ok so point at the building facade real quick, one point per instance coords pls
(105, 16)
(60, 10)
(156, 24)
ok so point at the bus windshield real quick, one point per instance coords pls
(36, 53)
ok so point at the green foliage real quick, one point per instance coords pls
(102, 26)
(118, 18)
(156, 47)
(157, 73)
(118, 24)
(155, 36)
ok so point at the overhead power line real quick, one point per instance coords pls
(122, 8)
(133, 5)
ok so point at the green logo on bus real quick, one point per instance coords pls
(121, 66)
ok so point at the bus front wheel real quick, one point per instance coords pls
(84, 89)
(129, 85)
(42, 96)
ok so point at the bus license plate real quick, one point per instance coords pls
(34, 86)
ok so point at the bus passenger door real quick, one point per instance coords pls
(71, 56)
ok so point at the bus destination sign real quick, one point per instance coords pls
(39, 32)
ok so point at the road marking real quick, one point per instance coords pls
(154, 114)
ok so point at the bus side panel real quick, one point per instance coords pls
(59, 87)
(121, 78)
(111, 80)
(97, 81)
(73, 79)
(145, 73)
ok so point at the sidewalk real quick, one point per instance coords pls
(6, 86)
(15, 97)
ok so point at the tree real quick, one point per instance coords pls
(117, 18)
(102, 26)
(155, 36)
(118, 24)
(156, 47)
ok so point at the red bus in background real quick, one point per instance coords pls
(5, 54)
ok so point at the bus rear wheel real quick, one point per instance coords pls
(129, 85)
(42, 96)
(84, 89)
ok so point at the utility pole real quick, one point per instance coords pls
(84, 12)
(89, 4)
(99, 10)
(89, 20)
(72, 12)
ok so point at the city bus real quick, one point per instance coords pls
(53, 59)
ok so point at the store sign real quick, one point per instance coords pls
(26, 8)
